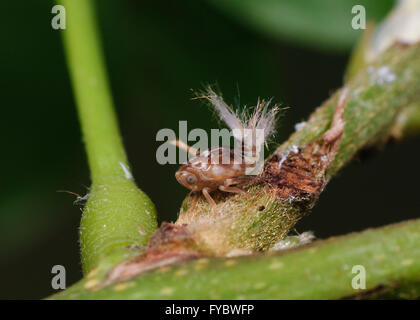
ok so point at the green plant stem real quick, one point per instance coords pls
(323, 270)
(117, 212)
(94, 102)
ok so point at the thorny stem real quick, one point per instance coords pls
(117, 213)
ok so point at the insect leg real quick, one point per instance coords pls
(227, 185)
(206, 194)
(241, 179)
(232, 189)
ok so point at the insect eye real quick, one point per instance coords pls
(191, 179)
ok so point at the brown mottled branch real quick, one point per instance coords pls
(379, 102)
(381, 98)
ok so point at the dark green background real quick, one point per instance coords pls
(156, 52)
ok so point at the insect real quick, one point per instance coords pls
(223, 168)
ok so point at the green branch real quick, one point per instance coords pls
(323, 270)
(117, 213)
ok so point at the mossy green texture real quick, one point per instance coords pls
(117, 212)
(323, 270)
(254, 222)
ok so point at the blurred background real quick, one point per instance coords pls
(157, 52)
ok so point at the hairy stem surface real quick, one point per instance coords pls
(117, 213)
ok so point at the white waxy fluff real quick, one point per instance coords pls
(224, 111)
(253, 131)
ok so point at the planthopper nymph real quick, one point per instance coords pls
(225, 168)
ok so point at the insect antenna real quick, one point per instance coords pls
(183, 146)
(80, 200)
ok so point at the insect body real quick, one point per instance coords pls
(221, 168)
(210, 171)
